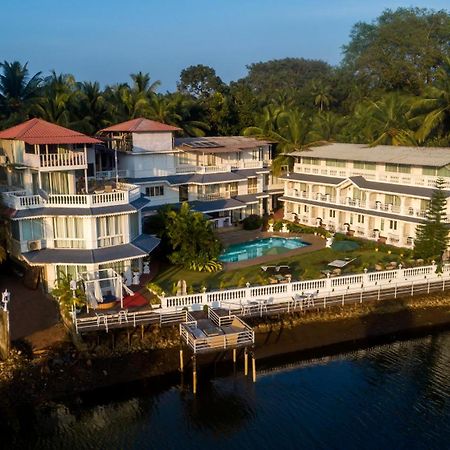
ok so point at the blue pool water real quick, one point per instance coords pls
(260, 247)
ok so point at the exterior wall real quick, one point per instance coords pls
(376, 214)
(171, 194)
(146, 165)
(152, 142)
(415, 177)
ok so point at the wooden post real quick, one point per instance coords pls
(234, 356)
(181, 360)
(142, 332)
(254, 367)
(245, 362)
(128, 338)
(194, 374)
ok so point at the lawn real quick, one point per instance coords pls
(304, 266)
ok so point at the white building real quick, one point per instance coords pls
(378, 193)
(227, 178)
(57, 218)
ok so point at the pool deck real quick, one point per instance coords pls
(315, 243)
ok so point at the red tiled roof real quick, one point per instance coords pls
(38, 131)
(140, 125)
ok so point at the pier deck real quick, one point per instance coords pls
(216, 333)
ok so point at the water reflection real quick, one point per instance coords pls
(395, 395)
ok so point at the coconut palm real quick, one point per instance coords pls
(19, 91)
(57, 93)
(289, 129)
(141, 83)
(327, 126)
(433, 111)
(126, 103)
(386, 121)
(321, 94)
(90, 108)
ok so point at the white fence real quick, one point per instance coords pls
(322, 288)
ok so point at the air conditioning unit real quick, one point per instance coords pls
(34, 245)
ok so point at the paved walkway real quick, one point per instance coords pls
(31, 311)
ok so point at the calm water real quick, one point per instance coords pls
(260, 247)
(394, 396)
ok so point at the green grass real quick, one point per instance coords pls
(304, 266)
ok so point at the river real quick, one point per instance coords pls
(390, 396)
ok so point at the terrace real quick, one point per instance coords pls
(99, 195)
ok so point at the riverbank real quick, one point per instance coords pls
(65, 371)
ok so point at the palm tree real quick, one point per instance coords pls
(433, 111)
(141, 83)
(322, 94)
(126, 103)
(327, 126)
(386, 121)
(18, 91)
(54, 104)
(90, 108)
(289, 129)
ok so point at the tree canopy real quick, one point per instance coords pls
(392, 87)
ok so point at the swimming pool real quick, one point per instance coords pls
(260, 247)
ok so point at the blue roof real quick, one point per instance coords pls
(139, 248)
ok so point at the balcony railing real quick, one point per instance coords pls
(214, 196)
(228, 167)
(357, 203)
(123, 194)
(56, 160)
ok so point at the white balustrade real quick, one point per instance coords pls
(323, 287)
(69, 159)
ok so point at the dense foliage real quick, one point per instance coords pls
(193, 243)
(392, 87)
(432, 236)
(252, 222)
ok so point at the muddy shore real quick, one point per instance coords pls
(66, 371)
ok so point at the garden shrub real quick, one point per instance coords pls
(252, 222)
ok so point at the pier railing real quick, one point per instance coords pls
(323, 288)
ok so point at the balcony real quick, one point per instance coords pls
(56, 161)
(215, 196)
(357, 203)
(121, 194)
(228, 167)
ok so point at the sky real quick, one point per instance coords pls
(107, 40)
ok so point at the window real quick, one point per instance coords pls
(32, 229)
(68, 232)
(362, 165)
(211, 160)
(134, 226)
(434, 172)
(313, 161)
(257, 154)
(109, 231)
(400, 168)
(71, 271)
(382, 225)
(335, 163)
(154, 191)
(183, 158)
(252, 185)
(306, 208)
(360, 218)
(392, 224)
(332, 213)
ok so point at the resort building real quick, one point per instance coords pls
(58, 217)
(227, 178)
(380, 193)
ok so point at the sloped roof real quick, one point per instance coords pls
(139, 125)
(38, 131)
(419, 156)
(139, 248)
